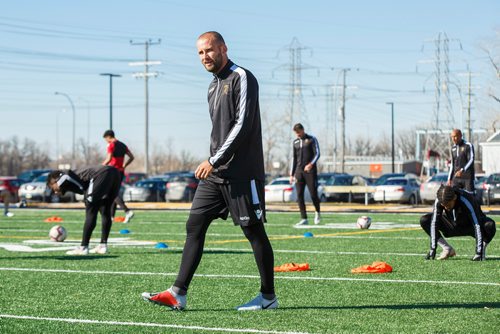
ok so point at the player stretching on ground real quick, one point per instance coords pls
(232, 179)
(116, 158)
(304, 171)
(456, 213)
(100, 185)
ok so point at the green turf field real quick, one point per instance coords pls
(44, 291)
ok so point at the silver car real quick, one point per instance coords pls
(429, 188)
(37, 191)
(181, 188)
(398, 189)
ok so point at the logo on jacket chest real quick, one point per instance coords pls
(225, 89)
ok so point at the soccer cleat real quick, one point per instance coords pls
(166, 298)
(101, 249)
(431, 255)
(128, 215)
(302, 222)
(447, 253)
(9, 214)
(478, 257)
(79, 251)
(317, 218)
(259, 303)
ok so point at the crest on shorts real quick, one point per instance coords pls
(225, 89)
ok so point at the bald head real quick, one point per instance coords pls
(212, 51)
(456, 136)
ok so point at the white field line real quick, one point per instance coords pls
(145, 324)
(215, 276)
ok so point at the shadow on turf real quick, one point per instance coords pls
(399, 307)
(62, 257)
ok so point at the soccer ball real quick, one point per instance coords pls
(58, 233)
(364, 222)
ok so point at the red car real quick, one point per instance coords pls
(12, 185)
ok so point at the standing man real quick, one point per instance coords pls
(304, 171)
(232, 178)
(100, 186)
(461, 173)
(6, 198)
(456, 213)
(116, 158)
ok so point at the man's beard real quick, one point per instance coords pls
(216, 66)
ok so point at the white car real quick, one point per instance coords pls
(37, 191)
(281, 190)
(398, 189)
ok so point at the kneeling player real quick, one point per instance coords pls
(456, 213)
(100, 186)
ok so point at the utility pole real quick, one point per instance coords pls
(342, 121)
(146, 74)
(392, 134)
(111, 76)
(74, 124)
(469, 131)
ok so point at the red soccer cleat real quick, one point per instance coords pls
(166, 298)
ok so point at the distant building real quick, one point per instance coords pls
(491, 154)
(374, 166)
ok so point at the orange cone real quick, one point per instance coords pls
(119, 219)
(377, 267)
(53, 219)
(292, 267)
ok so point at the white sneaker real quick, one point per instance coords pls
(317, 218)
(447, 253)
(166, 298)
(259, 303)
(101, 249)
(9, 214)
(129, 215)
(79, 251)
(302, 222)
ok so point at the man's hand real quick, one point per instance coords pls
(448, 183)
(203, 170)
(459, 173)
(308, 167)
(292, 179)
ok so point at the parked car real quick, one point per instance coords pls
(398, 189)
(131, 178)
(429, 188)
(491, 189)
(31, 174)
(479, 186)
(381, 180)
(11, 184)
(182, 188)
(149, 190)
(329, 190)
(37, 191)
(281, 190)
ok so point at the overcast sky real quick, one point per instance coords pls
(48, 46)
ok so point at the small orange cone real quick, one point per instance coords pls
(377, 267)
(292, 267)
(119, 219)
(53, 219)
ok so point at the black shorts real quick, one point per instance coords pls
(243, 200)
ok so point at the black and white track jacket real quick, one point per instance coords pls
(236, 139)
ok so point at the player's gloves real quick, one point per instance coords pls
(431, 255)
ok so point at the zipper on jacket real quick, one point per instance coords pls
(216, 93)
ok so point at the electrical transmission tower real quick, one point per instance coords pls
(146, 74)
(437, 144)
(296, 106)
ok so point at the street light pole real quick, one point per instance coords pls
(74, 123)
(392, 134)
(111, 76)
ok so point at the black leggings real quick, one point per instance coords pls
(91, 221)
(311, 180)
(196, 228)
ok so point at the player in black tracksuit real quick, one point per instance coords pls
(232, 178)
(304, 170)
(100, 186)
(461, 173)
(456, 213)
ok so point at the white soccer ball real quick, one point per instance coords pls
(58, 233)
(364, 222)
